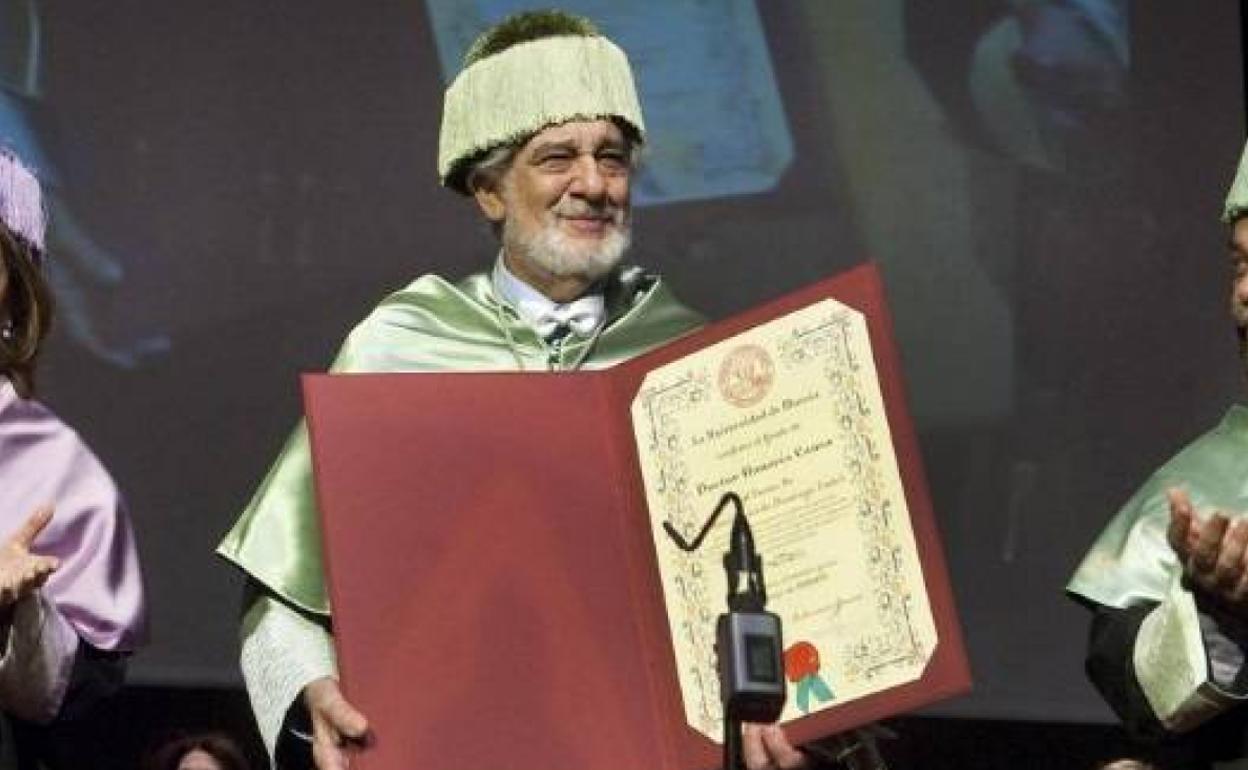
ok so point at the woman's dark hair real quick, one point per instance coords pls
(25, 312)
(219, 746)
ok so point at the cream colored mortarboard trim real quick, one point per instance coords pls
(517, 92)
(1237, 197)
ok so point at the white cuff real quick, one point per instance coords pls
(282, 651)
(1172, 667)
(38, 660)
(1225, 651)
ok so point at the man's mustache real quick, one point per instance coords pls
(582, 210)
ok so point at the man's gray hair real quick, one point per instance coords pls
(487, 171)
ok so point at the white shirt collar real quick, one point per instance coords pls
(548, 318)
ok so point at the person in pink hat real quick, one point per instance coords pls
(71, 594)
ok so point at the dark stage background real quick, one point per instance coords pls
(242, 181)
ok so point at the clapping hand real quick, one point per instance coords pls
(1212, 551)
(21, 571)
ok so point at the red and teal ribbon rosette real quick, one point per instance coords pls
(801, 667)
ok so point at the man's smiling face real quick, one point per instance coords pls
(564, 203)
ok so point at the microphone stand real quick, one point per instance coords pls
(734, 758)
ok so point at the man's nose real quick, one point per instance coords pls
(1239, 296)
(1239, 289)
(588, 181)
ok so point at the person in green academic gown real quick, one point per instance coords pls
(548, 159)
(1167, 580)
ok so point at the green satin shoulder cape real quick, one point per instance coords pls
(430, 326)
(1131, 562)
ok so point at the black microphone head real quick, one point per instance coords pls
(741, 543)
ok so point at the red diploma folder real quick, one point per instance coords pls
(496, 597)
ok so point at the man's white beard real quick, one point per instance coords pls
(561, 256)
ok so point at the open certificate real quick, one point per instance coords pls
(505, 596)
(789, 415)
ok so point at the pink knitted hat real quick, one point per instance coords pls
(21, 201)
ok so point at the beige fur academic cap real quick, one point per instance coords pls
(531, 71)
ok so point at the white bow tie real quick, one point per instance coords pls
(581, 316)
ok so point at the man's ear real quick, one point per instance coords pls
(490, 201)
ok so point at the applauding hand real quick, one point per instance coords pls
(1213, 552)
(21, 571)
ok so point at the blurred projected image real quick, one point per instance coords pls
(80, 268)
(708, 91)
(1045, 80)
(1039, 90)
(1069, 63)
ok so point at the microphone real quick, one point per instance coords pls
(748, 642)
(747, 638)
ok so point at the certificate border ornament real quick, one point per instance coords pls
(826, 343)
(898, 642)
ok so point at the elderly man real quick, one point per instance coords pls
(1168, 578)
(542, 129)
